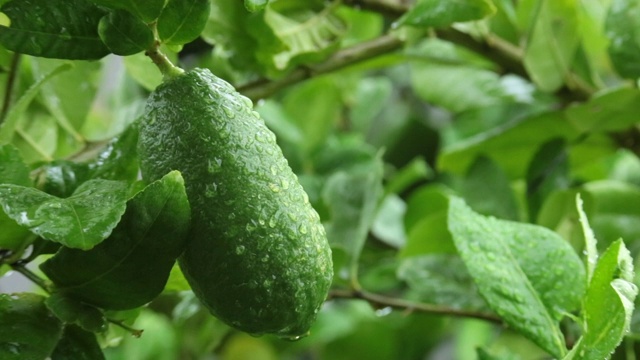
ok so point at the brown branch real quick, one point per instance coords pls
(385, 301)
(341, 59)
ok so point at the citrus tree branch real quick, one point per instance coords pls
(364, 51)
(9, 86)
(378, 300)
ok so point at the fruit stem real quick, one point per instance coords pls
(163, 63)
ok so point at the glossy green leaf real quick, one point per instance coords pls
(72, 311)
(28, 331)
(80, 221)
(131, 267)
(527, 274)
(182, 21)
(553, 43)
(623, 31)
(61, 178)
(612, 110)
(608, 305)
(352, 198)
(124, 33)
(441, 279)
(8, 126)
(485, 177)
(119, 159)
(63, 29)
(147, 10)
(436, 13)
(77, 344)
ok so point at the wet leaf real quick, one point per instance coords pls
(436, 13)
(124, 34)
(182, 21)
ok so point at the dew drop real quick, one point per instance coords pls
(229, 112)
(240, 250)
(275, 188)
(284, 183)
(272, 222)
(303, 229)
(211, 190)
(214, 165)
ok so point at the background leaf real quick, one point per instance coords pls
(152, 232)
(72, 311)
(435, 13)
(510, 263)
(77, 344)
(63, 29)
(28, 331)
(182, 21)
(12, 171)
(80, 221)
(623, 32)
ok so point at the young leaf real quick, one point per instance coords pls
(436, 13)
(77, 344)
(63, 29)
(28, 331)
(623, 31)
(80, 221)
(131, 267)
(182, 21)
(608, 305)
(527, 274)
(72, 311)
(147, 10)
(591, 250)
(8, 126)
(124, 34)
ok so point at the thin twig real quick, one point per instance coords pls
(341, 59)
(22, 269)
(11, 81)
(386, 301)
(134, 332)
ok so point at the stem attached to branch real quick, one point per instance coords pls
(385, 301)
(163, 63)
(31, 276)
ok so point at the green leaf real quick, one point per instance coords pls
(28, 331)
(548, 172)
(416, 170)
(622, 28)
(352, 197)
(182, 21)
(608, 305)
(388, 225)
(64, 29)
(119, 159)
(486, 177)
(437, 13)
(80, 221)
(124, 34)
(611, 110)
(61, 178)
(77, 344)
(441, 279)
(131, 267)
(13, 170)
(72, 311)
(8, 126)
(511, 265)
(553, 43)
(299, 32)
(147, 10)
(255, 5)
